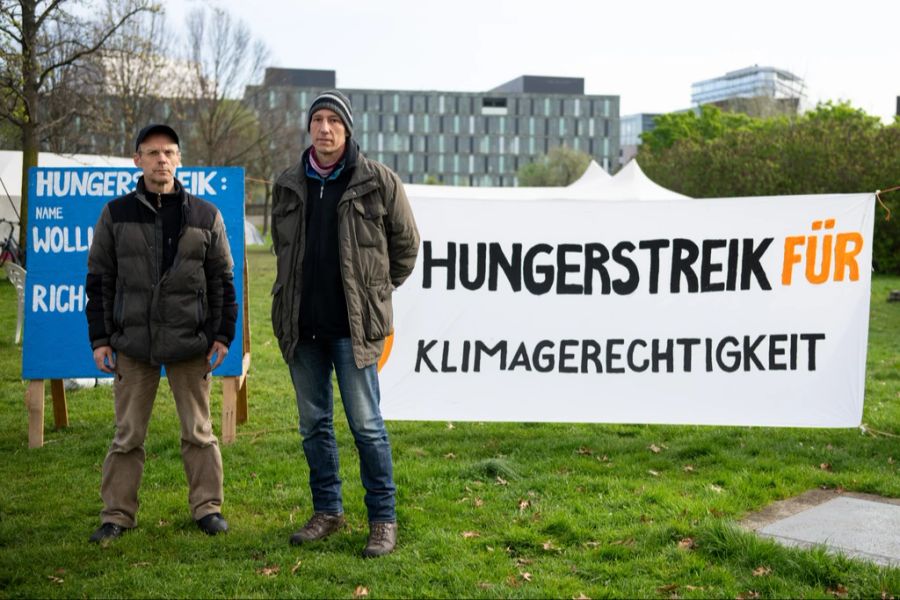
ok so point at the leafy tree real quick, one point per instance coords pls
(833, 149)
(43, 43)
(561, 166)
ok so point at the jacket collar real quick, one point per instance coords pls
(362, 170)
(142, 193)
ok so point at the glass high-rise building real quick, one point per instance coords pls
(750, 82)
(458, 138)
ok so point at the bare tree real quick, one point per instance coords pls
(39, 40)
(225, 58)
(137, 74)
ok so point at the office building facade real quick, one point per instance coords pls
(631, 128)
(457, 138)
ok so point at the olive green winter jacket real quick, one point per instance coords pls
(377, 240)
(156, 316)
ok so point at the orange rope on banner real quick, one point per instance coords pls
(878, 194)
(258, 180)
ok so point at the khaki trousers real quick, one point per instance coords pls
(134, 390)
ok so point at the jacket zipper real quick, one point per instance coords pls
(321, 194)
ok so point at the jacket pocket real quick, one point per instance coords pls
(119, 306)
(369, 216)
(285, 221)
(201, 310)
(277, 309)
(380, 323)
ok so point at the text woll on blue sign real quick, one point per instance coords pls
(64, 205)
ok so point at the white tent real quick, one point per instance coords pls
(11, 174)
(630, 183)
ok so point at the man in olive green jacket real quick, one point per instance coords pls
(160, 292)
(345, 237)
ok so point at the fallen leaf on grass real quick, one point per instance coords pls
(584, 451)
(55, 579)
(269, 571)
(717, 489)
(162, 523)
(470, 534)
(761, 571)
(694, 588)
(548, 545)
(687, 544)
(450, 456)
(479, 502)
(665, 589)
(485, 585)
(654, 473)
(890, 460)
(360, 592)
(626, 542)
(748, 595)
(654, 449)
(716, 512)
(296, 567)
(825, 466)
(581, 596)
(512, 581)
(526, 576)
(688, 468)
(592, 544)
(838, 592)
(523, 504)
(450, 426)
(603, 458)
(140, 564)
(885, 595)
(501, 481)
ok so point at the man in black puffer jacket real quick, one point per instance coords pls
(160, 292)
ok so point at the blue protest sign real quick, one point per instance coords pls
(64, 205)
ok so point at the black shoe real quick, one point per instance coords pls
(212, 524)
(107, 531)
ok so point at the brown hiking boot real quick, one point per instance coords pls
(319, 527)
(382, 539)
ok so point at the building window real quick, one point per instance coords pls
(577, 107)
(456, 164)
(380, 144)
(412, 123)
(455, 123)
(396, 103)
(427, 122)
(562, 126)
(531, 126)
(591, 127)
(546, 107)
(486, 144)
(471, 125)
(441, 145)
(502, 145)
(471, 163)
(441, 104)
(410, 162)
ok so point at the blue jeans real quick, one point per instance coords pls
(311, 373)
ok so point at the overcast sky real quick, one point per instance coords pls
(648, 52)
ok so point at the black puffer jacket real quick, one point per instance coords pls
(152, 315)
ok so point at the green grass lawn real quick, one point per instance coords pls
(485, 509)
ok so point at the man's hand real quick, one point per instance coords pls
(105, 359)
(220, 351)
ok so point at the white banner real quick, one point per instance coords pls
(739, 311)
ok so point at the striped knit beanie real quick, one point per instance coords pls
(336, 101)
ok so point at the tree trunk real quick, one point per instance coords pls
(30, 134)
(266, 198)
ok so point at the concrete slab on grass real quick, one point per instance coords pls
(860, 526)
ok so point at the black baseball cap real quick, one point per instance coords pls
(155, 128)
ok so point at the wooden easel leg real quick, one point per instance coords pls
(34, 403)
(60, 410)
(242, 402)
(229, 409)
